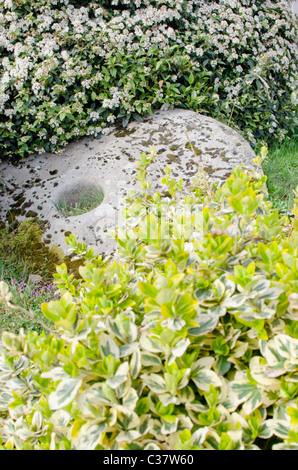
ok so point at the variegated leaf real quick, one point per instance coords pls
(115, 381)
(217, 310)
(108, 346)
(130, 399)
(245, 392)
(202, 376)
(253, 401)
(23, 434)
(120, 377)
(293, 306)
(258, 373)
(60, 418)
(281, 353)
(169, 424)
(185, 422)
(57, 373)
(284, 446)
(135, 364)
(207, 324)
(123, 326)
(235, 301)
(199, 436)
(230, 285)
(175, 324)
(151, 343)
(89, 436)
(203, 363)
(179, 349)
(155, 426)
(203, 294)
(155, 382)
(123, 389)
(205, 378)
(5, 399)
(261, 286)
(219, 288)
(128, 436)
(144, 426)
(280, 427)
(150, 359)
(236, 437)
(265, 431)
(168, 399)
(128, 349)
(65, 393)
(271, 293)
(37, 421)
(100, 394)
(126, 418)
(151, 446)
(186, 395)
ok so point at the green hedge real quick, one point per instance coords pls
(69, 69)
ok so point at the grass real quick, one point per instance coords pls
(85, 203)
(26, 294)
(22, 255)
(281, 169)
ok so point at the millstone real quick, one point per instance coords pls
(109, 162)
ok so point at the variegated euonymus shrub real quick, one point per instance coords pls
(187, 340)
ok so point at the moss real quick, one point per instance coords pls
(192, 147)
(124, 132)
(25, 245)
(174, 147)
(172, 157)
(31, 214)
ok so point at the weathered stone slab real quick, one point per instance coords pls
(109, 162)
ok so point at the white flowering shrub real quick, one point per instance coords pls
(69, 68)
(188, 340)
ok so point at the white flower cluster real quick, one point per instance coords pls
(58, 53)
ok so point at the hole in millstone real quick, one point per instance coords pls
(80, 198)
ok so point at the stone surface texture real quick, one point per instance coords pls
(109, 161)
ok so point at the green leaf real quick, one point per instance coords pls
(226, 442)
(148, 289)
(165, 296)
(191, 79)
(143, 406)
(59, 310)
